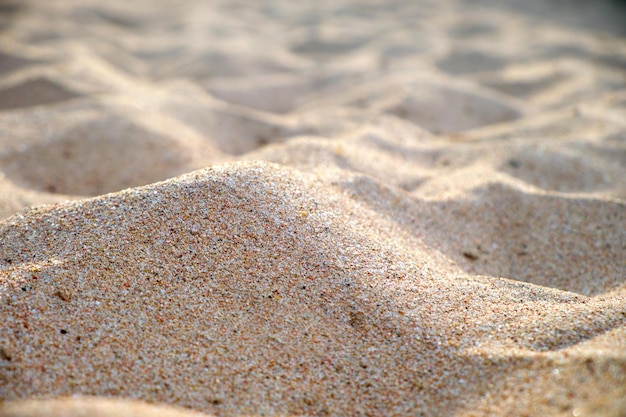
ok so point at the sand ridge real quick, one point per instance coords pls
(372, 208)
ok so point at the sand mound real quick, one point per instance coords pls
(383, 208)
(259, 276)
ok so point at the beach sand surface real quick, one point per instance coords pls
(278, 208)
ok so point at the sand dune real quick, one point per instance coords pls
(330, 208)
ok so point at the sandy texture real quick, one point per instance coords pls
(331, 208)
(91, 407)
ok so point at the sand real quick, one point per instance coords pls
(278, 208)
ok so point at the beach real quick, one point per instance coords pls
(273, 208)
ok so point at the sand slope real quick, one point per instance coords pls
(373, 208)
